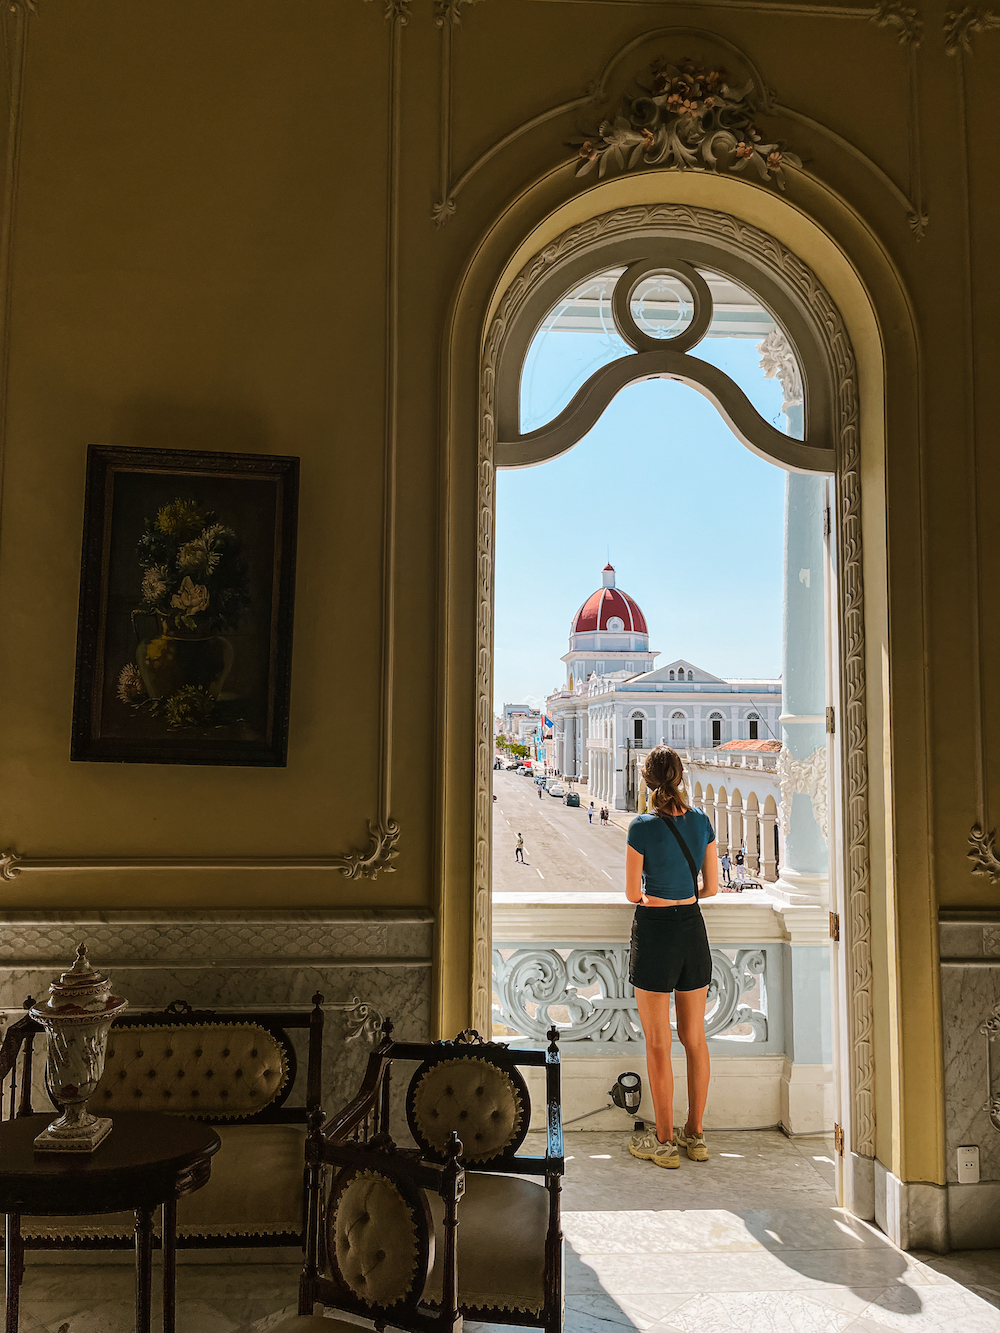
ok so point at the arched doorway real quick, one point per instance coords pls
(829, 446)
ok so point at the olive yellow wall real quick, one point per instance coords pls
(223, 239)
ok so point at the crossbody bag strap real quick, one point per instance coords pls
(685, 849)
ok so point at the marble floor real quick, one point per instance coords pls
(750, 1241)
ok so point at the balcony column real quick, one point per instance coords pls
(768, 864)
(722, 826)
(802, 763)
(735, 828)
(753, 840)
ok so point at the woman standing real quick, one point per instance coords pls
(670, 951)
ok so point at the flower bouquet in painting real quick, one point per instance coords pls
(194, 587)
(184, 635)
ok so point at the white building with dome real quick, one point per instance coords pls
(616, 703)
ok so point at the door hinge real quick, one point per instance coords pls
(835, 926)
(831, 721)
(838, 1140)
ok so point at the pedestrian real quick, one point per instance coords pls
(519, 850)
(590, 813)
(725, 868)
(539, 791)
(670, 951)
(604, 815)
(740, 872)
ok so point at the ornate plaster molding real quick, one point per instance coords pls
(740, 238)
(904, 18)
(381, 852)
(982, 853)
(396, 11)
(450, 12)
(805, 776)
(688, 119)
(959, 28)
(369, 864)
(961, 25)
(777, 361)
(890, 14)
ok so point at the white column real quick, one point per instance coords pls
(752, 836)
(721, 825)
(768, 864)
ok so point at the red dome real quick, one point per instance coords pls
(602, 605)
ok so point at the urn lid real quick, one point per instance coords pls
(82, 991)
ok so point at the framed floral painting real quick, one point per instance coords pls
(184, 640)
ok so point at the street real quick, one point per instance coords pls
(561, 850)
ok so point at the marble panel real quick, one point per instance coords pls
(185, 936)
(935, 1310)
(734, 1230)
(974, 1216)
(763, 1270)
(968, 996)
(223, 962)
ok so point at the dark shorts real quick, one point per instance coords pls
(670, 949)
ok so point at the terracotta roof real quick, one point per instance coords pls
(770, 746)
(600, 606)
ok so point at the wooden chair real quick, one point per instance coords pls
(236, 1070)
(381, 1221)
(510, 1248)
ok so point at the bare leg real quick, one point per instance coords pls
(691, 1030)
(654, 1014)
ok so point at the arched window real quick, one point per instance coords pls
(690, 675)
(678, 729)
(638, 724)
(715, 721)
(753, 726)
(671, 675)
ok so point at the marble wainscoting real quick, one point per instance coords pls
(970, 996)
(233, 960)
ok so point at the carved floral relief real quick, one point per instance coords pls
(688, 117)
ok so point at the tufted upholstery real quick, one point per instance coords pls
(218, 1070)
(473, 1097)
(255, 1190)
(373, 1234)
(503, 1222)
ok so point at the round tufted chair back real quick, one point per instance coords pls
(213, 1070)
(380, 1238)
(474, 1095)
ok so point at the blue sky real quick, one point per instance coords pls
(691, 519)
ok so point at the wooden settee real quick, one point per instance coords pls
(236, 1070)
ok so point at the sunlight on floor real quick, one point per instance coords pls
(749, 1242)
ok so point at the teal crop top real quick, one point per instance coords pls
(665, 872)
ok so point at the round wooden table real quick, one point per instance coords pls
(147, 1161)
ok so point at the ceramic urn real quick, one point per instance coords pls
(76, 1018)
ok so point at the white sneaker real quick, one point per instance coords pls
(646, 1146)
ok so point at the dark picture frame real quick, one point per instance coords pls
(184, 637)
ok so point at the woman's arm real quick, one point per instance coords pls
(633, 875)
(710, 872)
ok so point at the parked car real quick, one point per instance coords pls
(557, 789)
(572, 798)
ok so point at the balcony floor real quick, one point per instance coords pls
(750, 1241)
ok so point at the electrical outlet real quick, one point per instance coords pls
(968, 1166)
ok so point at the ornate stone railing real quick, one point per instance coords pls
(541, 985)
